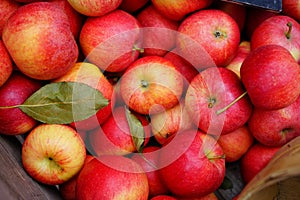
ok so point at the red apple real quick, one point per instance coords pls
(271, 77)
(210, 196)
(159, 32)
(111, 41)
(276, 127)
(211, 91)
(148, 161)
(7, 8)
(163, 197)
(236, 143)
(91, 75)
(177, 10)
(145, 87)
(219, 36)
(291, 8)
(256, 158)
(6, 64)
(52, 154)
(39, 40)
(198, 171)
(280, 30)
(115, 137)
(15, 91)
(94, 8)
(99, 179)
(132, 6)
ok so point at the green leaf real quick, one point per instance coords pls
(63, 103)
(136, 130)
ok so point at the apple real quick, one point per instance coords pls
(52, 153)
(271, 77)
(99, 179)
(280, 30)
(91, 75)
(159, 32)
(210, 196)
(276, 127)
(167, 123)
(198, 171)
(94, 8)
(151, 85)
(236, 63)
(219, 36)
(148, 161)
(7, 8)
(132, 6)
(236, 143)
(255, 159)
(163, 197)
(39, 40)
(179, 9)
(291, 8)
(15, 91)
(6, 64)
(211, 91)
(114, 137)
(111, 41)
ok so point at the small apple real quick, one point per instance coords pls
(151, 85)
(163, 197)
(94, 8)
(6, 64)
(211, 91)
(236, 143)
(15, 91)
(177, 10)
(271, 77)
(132, 6)
(219, 36)
(99, 179)
(280, 30)
(39, 39)
(52, 153)
(7, 8)
(198, 171)
(255, 159)
(276, 127)
(291, 8)
(91, 75)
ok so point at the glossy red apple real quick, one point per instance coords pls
(271, 77)
(132, 6)
(219, 36)
(6, 64)
(14, 92)
(7, 7)
(163, 197)
(291, 8)
(111, 41)
(212, 90)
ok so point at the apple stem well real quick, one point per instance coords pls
(288, 34)
(232, 103)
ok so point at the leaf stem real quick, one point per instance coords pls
(231, 104)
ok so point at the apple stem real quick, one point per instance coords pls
(135, 48)
(288, 34)
(231, 104)
(8, 107)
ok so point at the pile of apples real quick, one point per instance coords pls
(191, 85)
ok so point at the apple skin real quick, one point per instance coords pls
(211, 90)
(219, 35)
(156, 186)
(52, 153)
(110, 41)
(114, 136)
(7, 8)
(145, 88)
(210, 196)
(91, 75)
(276, 127)
(198, 171)
(255, 159)
(15, 91)
(179, 9)
(159, 33)
(99, 180)
(236, 143)
(291, 8)
(163, 197)
(271, 77)
(39, 40)
(274, 31)
(93, 8)
(6, 64)
(132, 6)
